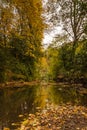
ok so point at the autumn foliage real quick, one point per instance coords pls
(21, 33)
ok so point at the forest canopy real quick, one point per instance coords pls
(22, 28)
(21, 33)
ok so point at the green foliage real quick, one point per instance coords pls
(3, 63)
(68, 56)
(61, 61)
(81, 57)
(65, 54)
(52, 54)
(18, 46)
(24, 59)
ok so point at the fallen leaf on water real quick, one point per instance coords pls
(20, 116)
(6, 128)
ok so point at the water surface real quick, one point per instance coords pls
(17, 103)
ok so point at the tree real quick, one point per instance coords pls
(6, 19)
(21, 33)
(81, 58)
(72, 15)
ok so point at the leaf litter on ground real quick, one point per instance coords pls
(62, 117)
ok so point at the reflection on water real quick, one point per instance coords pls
(61, 95)
(17, 103)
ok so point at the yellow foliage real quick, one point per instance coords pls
(44, 61)
(78, 49)
(6, 128)
(24, 19)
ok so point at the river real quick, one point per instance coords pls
(16, 103)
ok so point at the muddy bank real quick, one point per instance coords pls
(17, 84)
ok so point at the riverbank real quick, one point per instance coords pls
(62, 117)
(17, 84)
